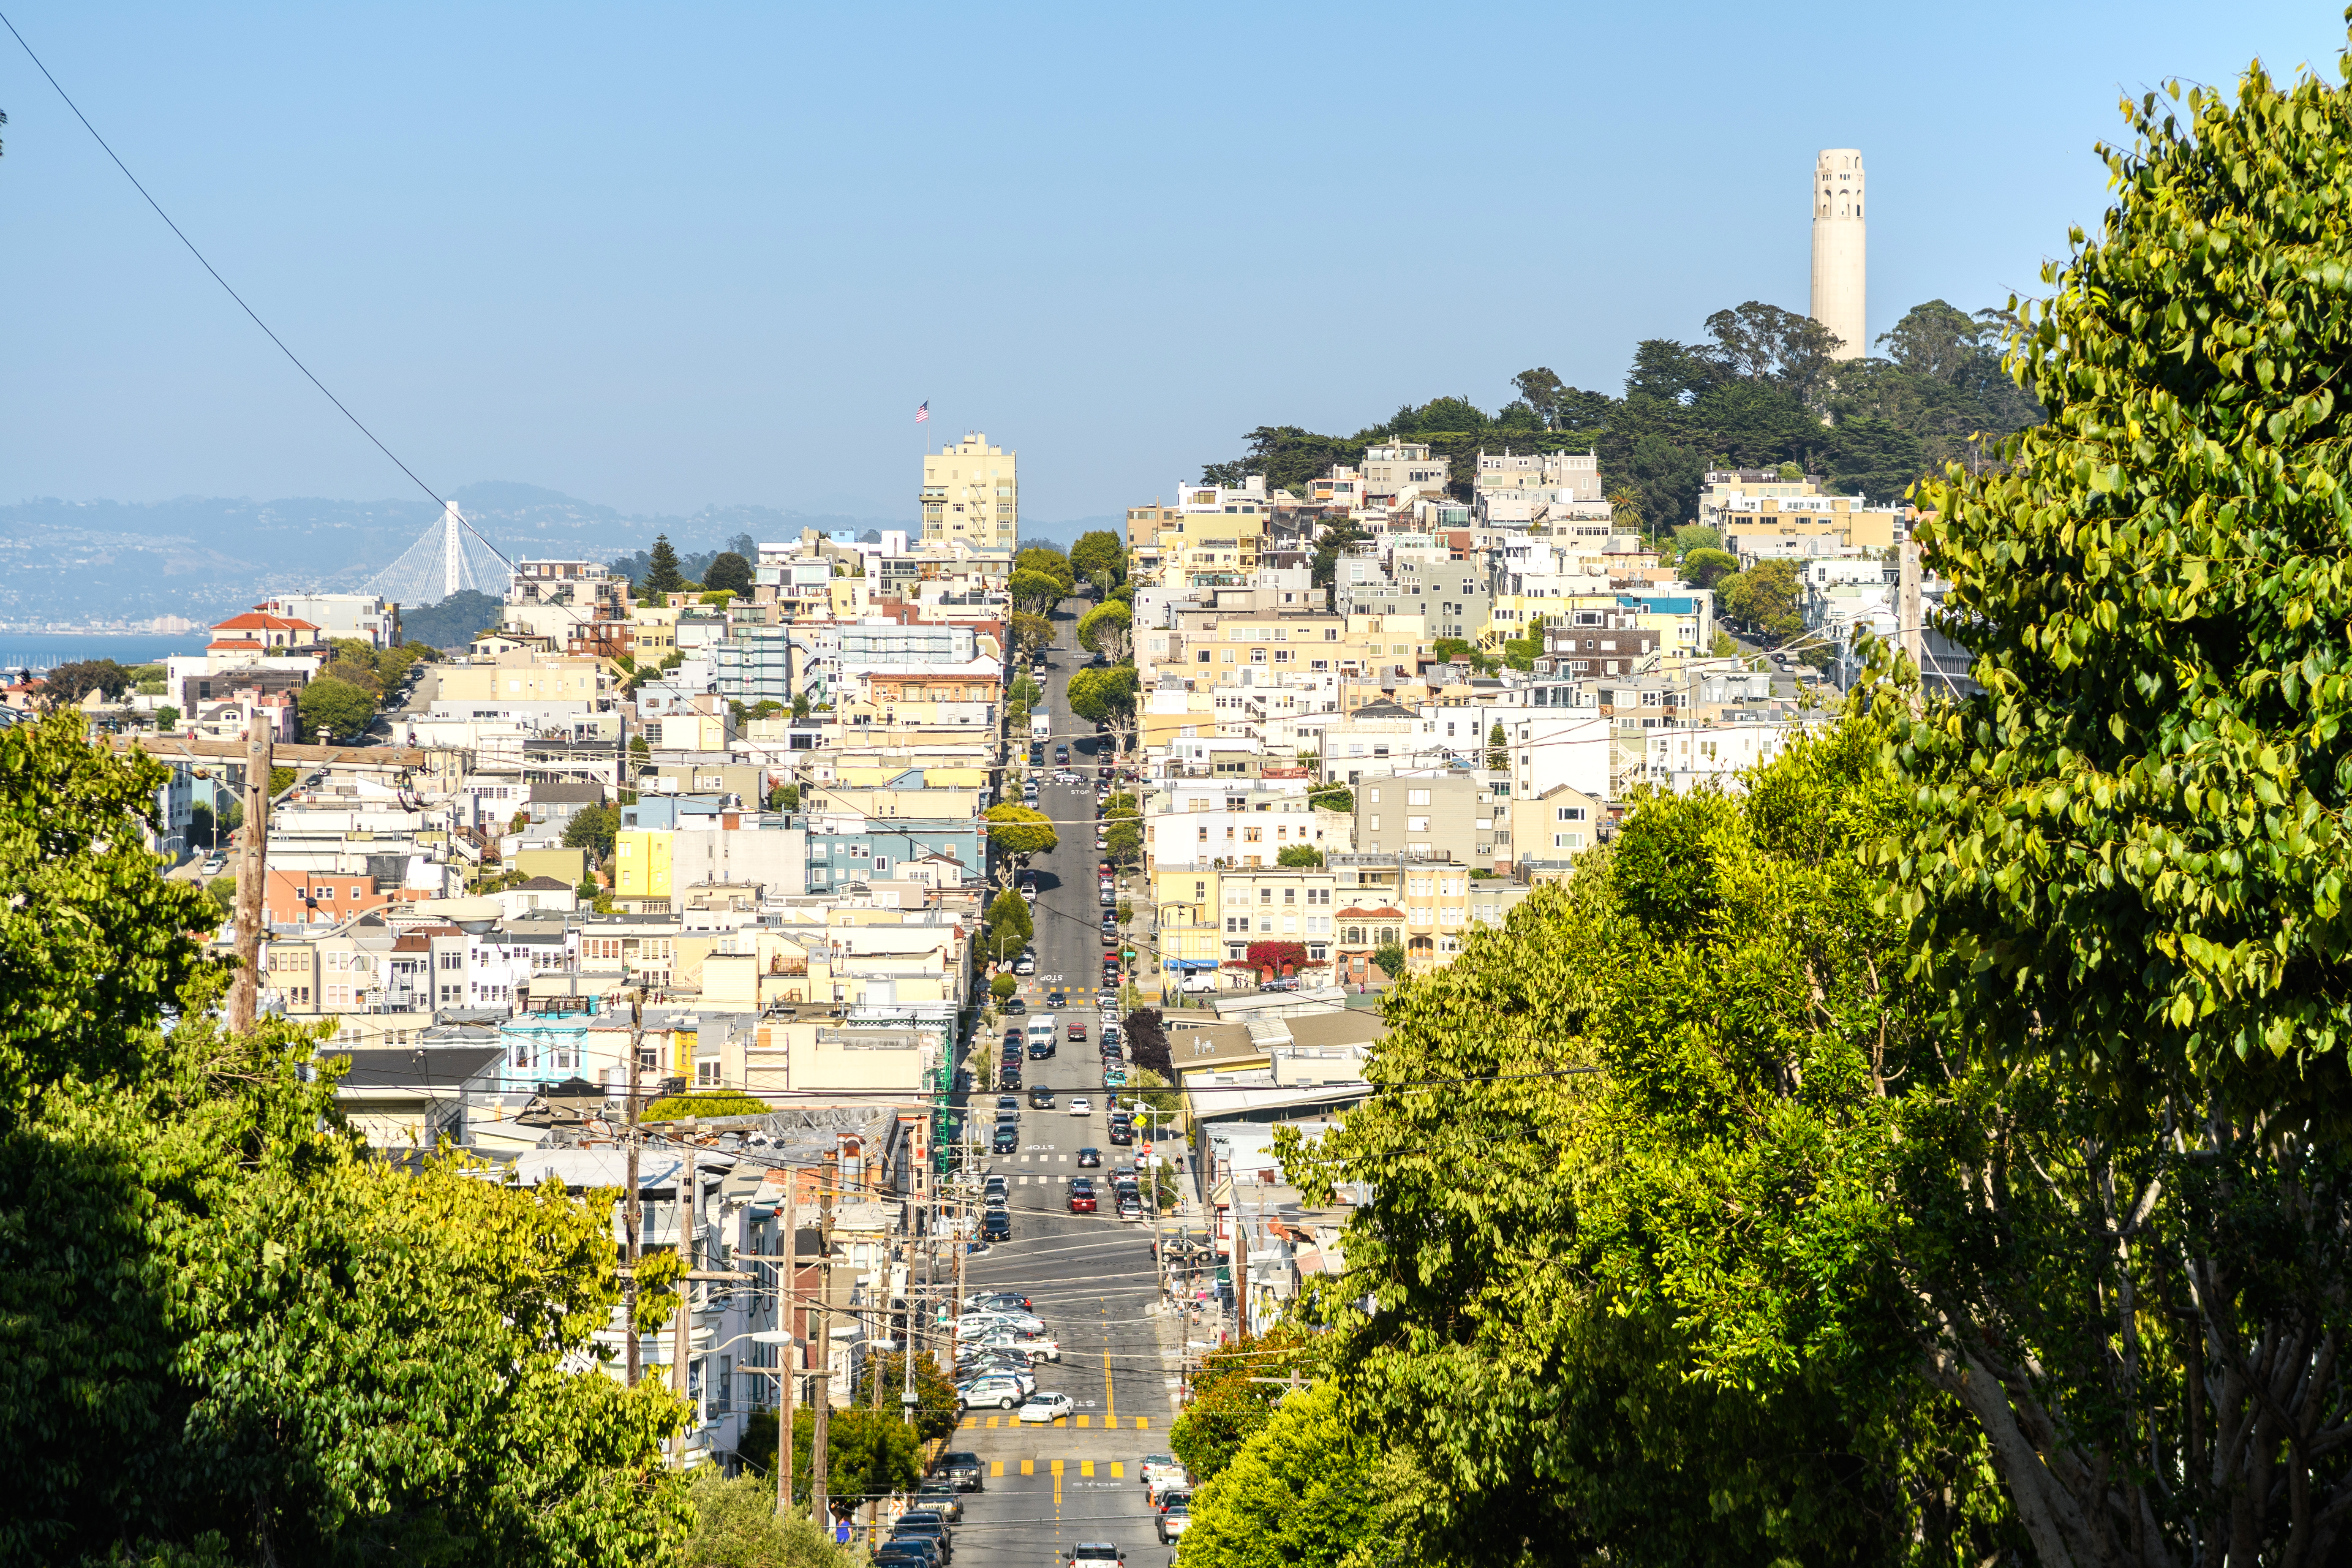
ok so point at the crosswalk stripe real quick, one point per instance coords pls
(1058, 1466)
(1117, 1469)
(1085, 1420)
(1028, 1467)
(1061, 1420)
(1142, 1422)
(1086, 1467)
(997, 1469)
(994, 1419)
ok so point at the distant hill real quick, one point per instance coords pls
(205, 556)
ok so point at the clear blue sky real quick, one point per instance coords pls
(660, 257)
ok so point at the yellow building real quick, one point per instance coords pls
(641, 859)
(971, 494)
(653, 633)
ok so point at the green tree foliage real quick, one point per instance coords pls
(335, 708)
(1049, 562)
(594, 828)
(1706, 568)
(1010, 926)
(1017, 832)
(1227, 1405)
(1031, 631)
(730, 572)
(717, 1102)
(662, 575)
(1003, 987)
(785, 797)
(1675, 1273)
(1036, 594)
(736, 1524)
(285, 1349)
(939, 1413)
(1691, 537)
(1337, 537)
(1303, 1490)
(167, 717)
(1332, 797)
(1390, 958)
(1299, 854)
(93, 947)
(868, 1453)
(1498, 749)
(1122, 829)
(1098, 550)
(1764, 597)
(68, 684)
(1106, 697)
(1108, 629)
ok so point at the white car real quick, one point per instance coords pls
(1081, 1106)
(1002, 1390)
(213, 866)
(1160, 1464)
(1044, 1406)
(1036, 1347)
(987, 1325)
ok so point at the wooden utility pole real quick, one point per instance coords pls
(787, 1308)
(633, 1215)
(245, 991)
(682, 1328)
(821, 1342)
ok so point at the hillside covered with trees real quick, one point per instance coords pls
(1758, 390)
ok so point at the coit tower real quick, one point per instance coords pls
(1838, 269)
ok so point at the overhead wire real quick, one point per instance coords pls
(201, 260)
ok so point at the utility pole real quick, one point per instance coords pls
(820, 1419)
(245, 992)
(682, 1329)
(633, 1215)
(787, 1304)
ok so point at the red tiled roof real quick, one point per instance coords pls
(256, 620)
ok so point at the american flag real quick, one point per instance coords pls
(924, 412)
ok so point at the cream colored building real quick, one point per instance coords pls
(525, 677)
(971, 494)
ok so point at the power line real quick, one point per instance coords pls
(208, 266)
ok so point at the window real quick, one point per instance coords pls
(706, 1074)
(1567, 840)
(1569, 814)
(1416, 824)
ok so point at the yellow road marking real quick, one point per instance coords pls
(1057, 1497)
(1084, 1420)
(1086, 1467)
(995, 1469)
(1061, 1420)
(1142, 1422)
(1117, 1469)
(1028, 1467)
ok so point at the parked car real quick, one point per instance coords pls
(962, 1471)
(1175, 1512)
(1130, 1205)
(925, 1524)
(1043, 1406)
(1024, 964)
(997, 1300)
(1007, 1140)
(997, 1389)
(1284, 983)
(940, 1498)
(1096, 1555)
(997, 1227)
(1013, 1007)
(1122, 1132)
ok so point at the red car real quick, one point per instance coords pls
(1082, 1196)
(1077, 1032)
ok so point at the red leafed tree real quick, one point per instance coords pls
(1277, 957)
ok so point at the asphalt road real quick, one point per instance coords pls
(1089, 1277)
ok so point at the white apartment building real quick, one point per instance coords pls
(971, 494)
